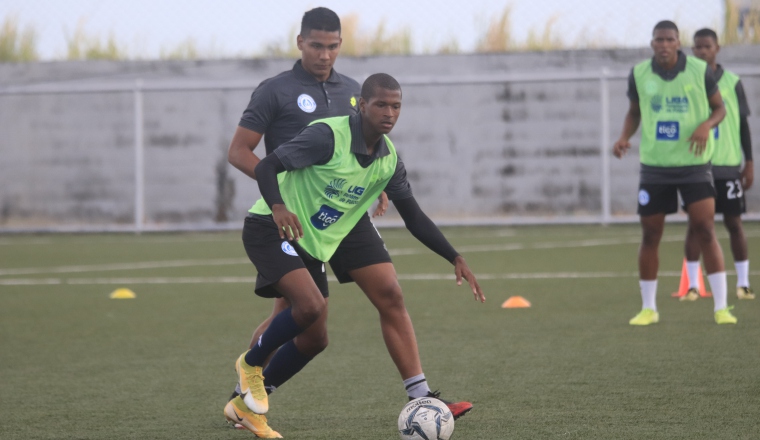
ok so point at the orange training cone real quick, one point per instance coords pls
(515, 302)
(683, 287)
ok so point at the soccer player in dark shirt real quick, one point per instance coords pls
(279, 108)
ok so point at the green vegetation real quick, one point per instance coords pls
(497, 35)
(161, 366)
(17, 45)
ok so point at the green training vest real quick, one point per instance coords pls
(330, 199)
(728, 149)
(670, 112)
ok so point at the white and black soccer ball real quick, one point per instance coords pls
(425, 418)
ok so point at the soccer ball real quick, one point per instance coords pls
(425, 418)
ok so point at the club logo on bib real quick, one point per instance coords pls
(307, 103)
(643, 197)
(667, 130)
(716, 132)
(288, 249)
(325, 217)
(656, 103)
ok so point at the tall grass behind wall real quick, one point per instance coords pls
(741, 25)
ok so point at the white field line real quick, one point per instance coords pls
(507, 247)
(252, 280)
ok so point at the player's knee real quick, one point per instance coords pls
(307, 312)
(651, 237)
(389, 297)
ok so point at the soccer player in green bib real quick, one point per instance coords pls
(314, 189)
(732, 144)
(675, 99)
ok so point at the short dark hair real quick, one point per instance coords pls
(665, 24)
(706, 32)
(320, 19)
(378, 81)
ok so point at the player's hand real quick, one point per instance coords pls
(621, 147)
(698, 139)
(287, 223)
(382, 205)
(463, 271)
(748, 175)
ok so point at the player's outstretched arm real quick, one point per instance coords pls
(424, 230)
(630, 125)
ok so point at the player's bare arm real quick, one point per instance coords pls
(698, 140)
(240, 154)
(630, 125)
(748, 175)
(382, 205)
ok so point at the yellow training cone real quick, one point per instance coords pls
(122, 293)
(515, 302)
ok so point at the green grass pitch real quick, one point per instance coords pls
(75, 364)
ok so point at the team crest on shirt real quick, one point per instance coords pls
(656, 103)
(288, 249)
(353, 101)
(307, 103)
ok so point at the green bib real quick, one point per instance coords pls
(670, 112)
(330, 199)
(728, 149)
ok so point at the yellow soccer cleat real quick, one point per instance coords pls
(645, 317)
(724, 316)
(237, 413)
(691, 295)
(745, 293)
(252, 386)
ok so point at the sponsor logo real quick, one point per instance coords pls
(667, 131)
(677, 104)
(643, 197)
(716, 132)
(288, 249)
(333, 188)
(325, 217)
(307, 103)
(656, 103)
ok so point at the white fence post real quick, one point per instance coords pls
(604, 92)
(139, 158)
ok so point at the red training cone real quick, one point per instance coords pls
(683, 287)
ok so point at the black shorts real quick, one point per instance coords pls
(661, 198)
(275, 257)
(362, 247)
(730, 200)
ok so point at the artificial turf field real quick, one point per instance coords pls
(75, 364)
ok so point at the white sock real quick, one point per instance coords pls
(648, 294)
(416, 386)
(692, 267)
(719, 286)
(742, 273)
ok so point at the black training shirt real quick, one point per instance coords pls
(284, 104)
(711, 84)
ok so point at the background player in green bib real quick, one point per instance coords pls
(676, 100)
(314, 189)
(732, 143)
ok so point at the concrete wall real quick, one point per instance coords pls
(495, 149)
